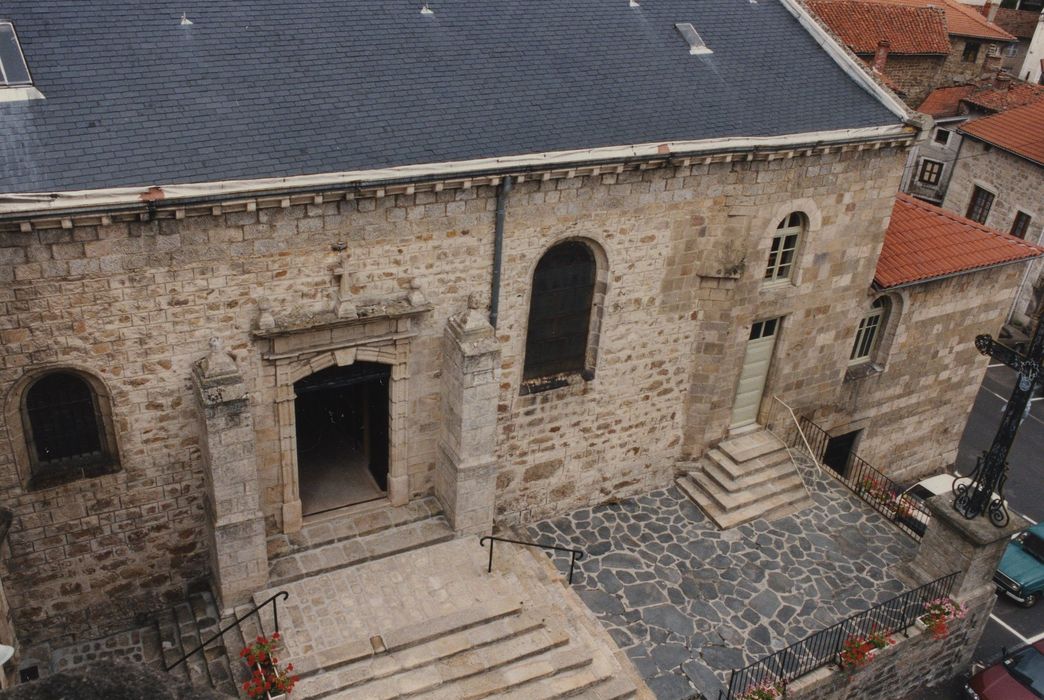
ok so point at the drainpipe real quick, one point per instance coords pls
(498, 249)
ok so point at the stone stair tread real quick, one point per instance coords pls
(524, 672)
(750, 446)
(731, 484)
(615, 689)
(216, 655)
(363, 520)
(739, 470)
(740, 499)
(404, 638)
(578, 681)
(768, 509)
(336, 555)
(170, 641)
(190, 639)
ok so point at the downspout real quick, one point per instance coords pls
(498, 250)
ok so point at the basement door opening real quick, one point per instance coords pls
(342, 436)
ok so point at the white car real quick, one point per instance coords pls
(917, 518)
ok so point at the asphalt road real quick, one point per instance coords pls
(1010, 625)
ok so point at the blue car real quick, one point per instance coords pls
(1021, 572)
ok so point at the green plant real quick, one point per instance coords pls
(267, 678)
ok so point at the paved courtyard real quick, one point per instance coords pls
(690, 603)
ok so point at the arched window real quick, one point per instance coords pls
(785, 242)
(560, 311)
(67, 429)
(868, 335)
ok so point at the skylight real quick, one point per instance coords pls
(13, 71)
(689, 33)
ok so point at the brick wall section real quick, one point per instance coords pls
(1019, 185)
(931, 333)
(916, 76)
(685, 247)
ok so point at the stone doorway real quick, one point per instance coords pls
(342, 420)
(839, 449)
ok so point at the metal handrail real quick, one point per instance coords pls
(797, 424)
(824, 648)
(577, 554)
(255, 611)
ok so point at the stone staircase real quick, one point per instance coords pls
(182, 628)
(436, 625)
(745, 477)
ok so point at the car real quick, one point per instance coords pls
(1020, 575)
(916, 518)
(1019, 675)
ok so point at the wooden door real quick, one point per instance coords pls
(756, 361)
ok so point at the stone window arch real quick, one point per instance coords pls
(786, 242)
(565, 309)
(62, 427)
(874, 335)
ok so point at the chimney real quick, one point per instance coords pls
(985, 9)
(881, 55)
(1003, 81)
(992, 63)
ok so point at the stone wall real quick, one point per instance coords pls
(916, 76)
(917, 661)
(683, 252)
(1019, 186)
(956, 70)
(928, 341)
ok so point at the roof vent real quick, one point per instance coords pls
(425, 10)
(689, 33)
(634, 3)
(13, 70)
(185, 21)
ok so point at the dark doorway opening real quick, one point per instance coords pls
(342, 436)
(838, 453)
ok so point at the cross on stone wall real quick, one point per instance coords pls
(981, 493)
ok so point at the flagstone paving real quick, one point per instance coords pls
(690, 603)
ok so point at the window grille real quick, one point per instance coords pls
(560, 311)
(868, 333)
(64, 425)
(979, 207)
(1020, 227)
(931, 171)
(784, 247)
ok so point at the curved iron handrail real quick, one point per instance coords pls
(577, 554)
(274, 600)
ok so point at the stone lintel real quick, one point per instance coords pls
(367, 311)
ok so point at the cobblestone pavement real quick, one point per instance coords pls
(689, 603)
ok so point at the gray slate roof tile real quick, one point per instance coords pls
(269, 88)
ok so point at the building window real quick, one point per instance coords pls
(979, 207)
(1011, 50)
(67, 429)
(560, 311)
(869, 333)
(931, 171)
(784, 247)
(13, 70)
(971, 52)
(942, 137)
(1020, 226)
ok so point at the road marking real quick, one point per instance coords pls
(999, 364)
(1008, 627)
(1034, 640)
(996, 395)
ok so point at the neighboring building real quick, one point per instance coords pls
(1033, 64)
(1021, 24)
(907, 45)
(931, 161)
(998, 180)
(246, 257)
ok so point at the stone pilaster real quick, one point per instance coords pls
(465, 476)
(239, 559)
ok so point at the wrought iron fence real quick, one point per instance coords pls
(884, 495)
(824, 648)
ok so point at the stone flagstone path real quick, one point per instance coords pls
(689, 603)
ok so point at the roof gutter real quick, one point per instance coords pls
(947, 276)
(141, 199)
(846, 60)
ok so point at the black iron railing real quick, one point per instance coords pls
(884, 495)
(576, 554)
(824, 648)
(273, 601)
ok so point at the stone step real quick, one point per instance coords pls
(345, 524)
(216, 655)
(727, 482)
(739, 470)
(196, 664)
(776, 506)
(439, 648)
(750, 446)
(170, 642)
(744, 497)
(585, 681)
(382, 543)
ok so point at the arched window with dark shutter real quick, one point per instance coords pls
(66, 429)
(560, 311)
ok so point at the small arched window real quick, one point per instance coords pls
(560, 311)
(66, 428)
(868, 335)
(785, 242)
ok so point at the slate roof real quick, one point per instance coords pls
(925, 242)
(862, 25)
(961, 20)
(274, 88)
(1016, 130)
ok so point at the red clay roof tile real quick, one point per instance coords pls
(961, 20)
(1019, 131)
(945, 102)
(861, 25)
(925, 242)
